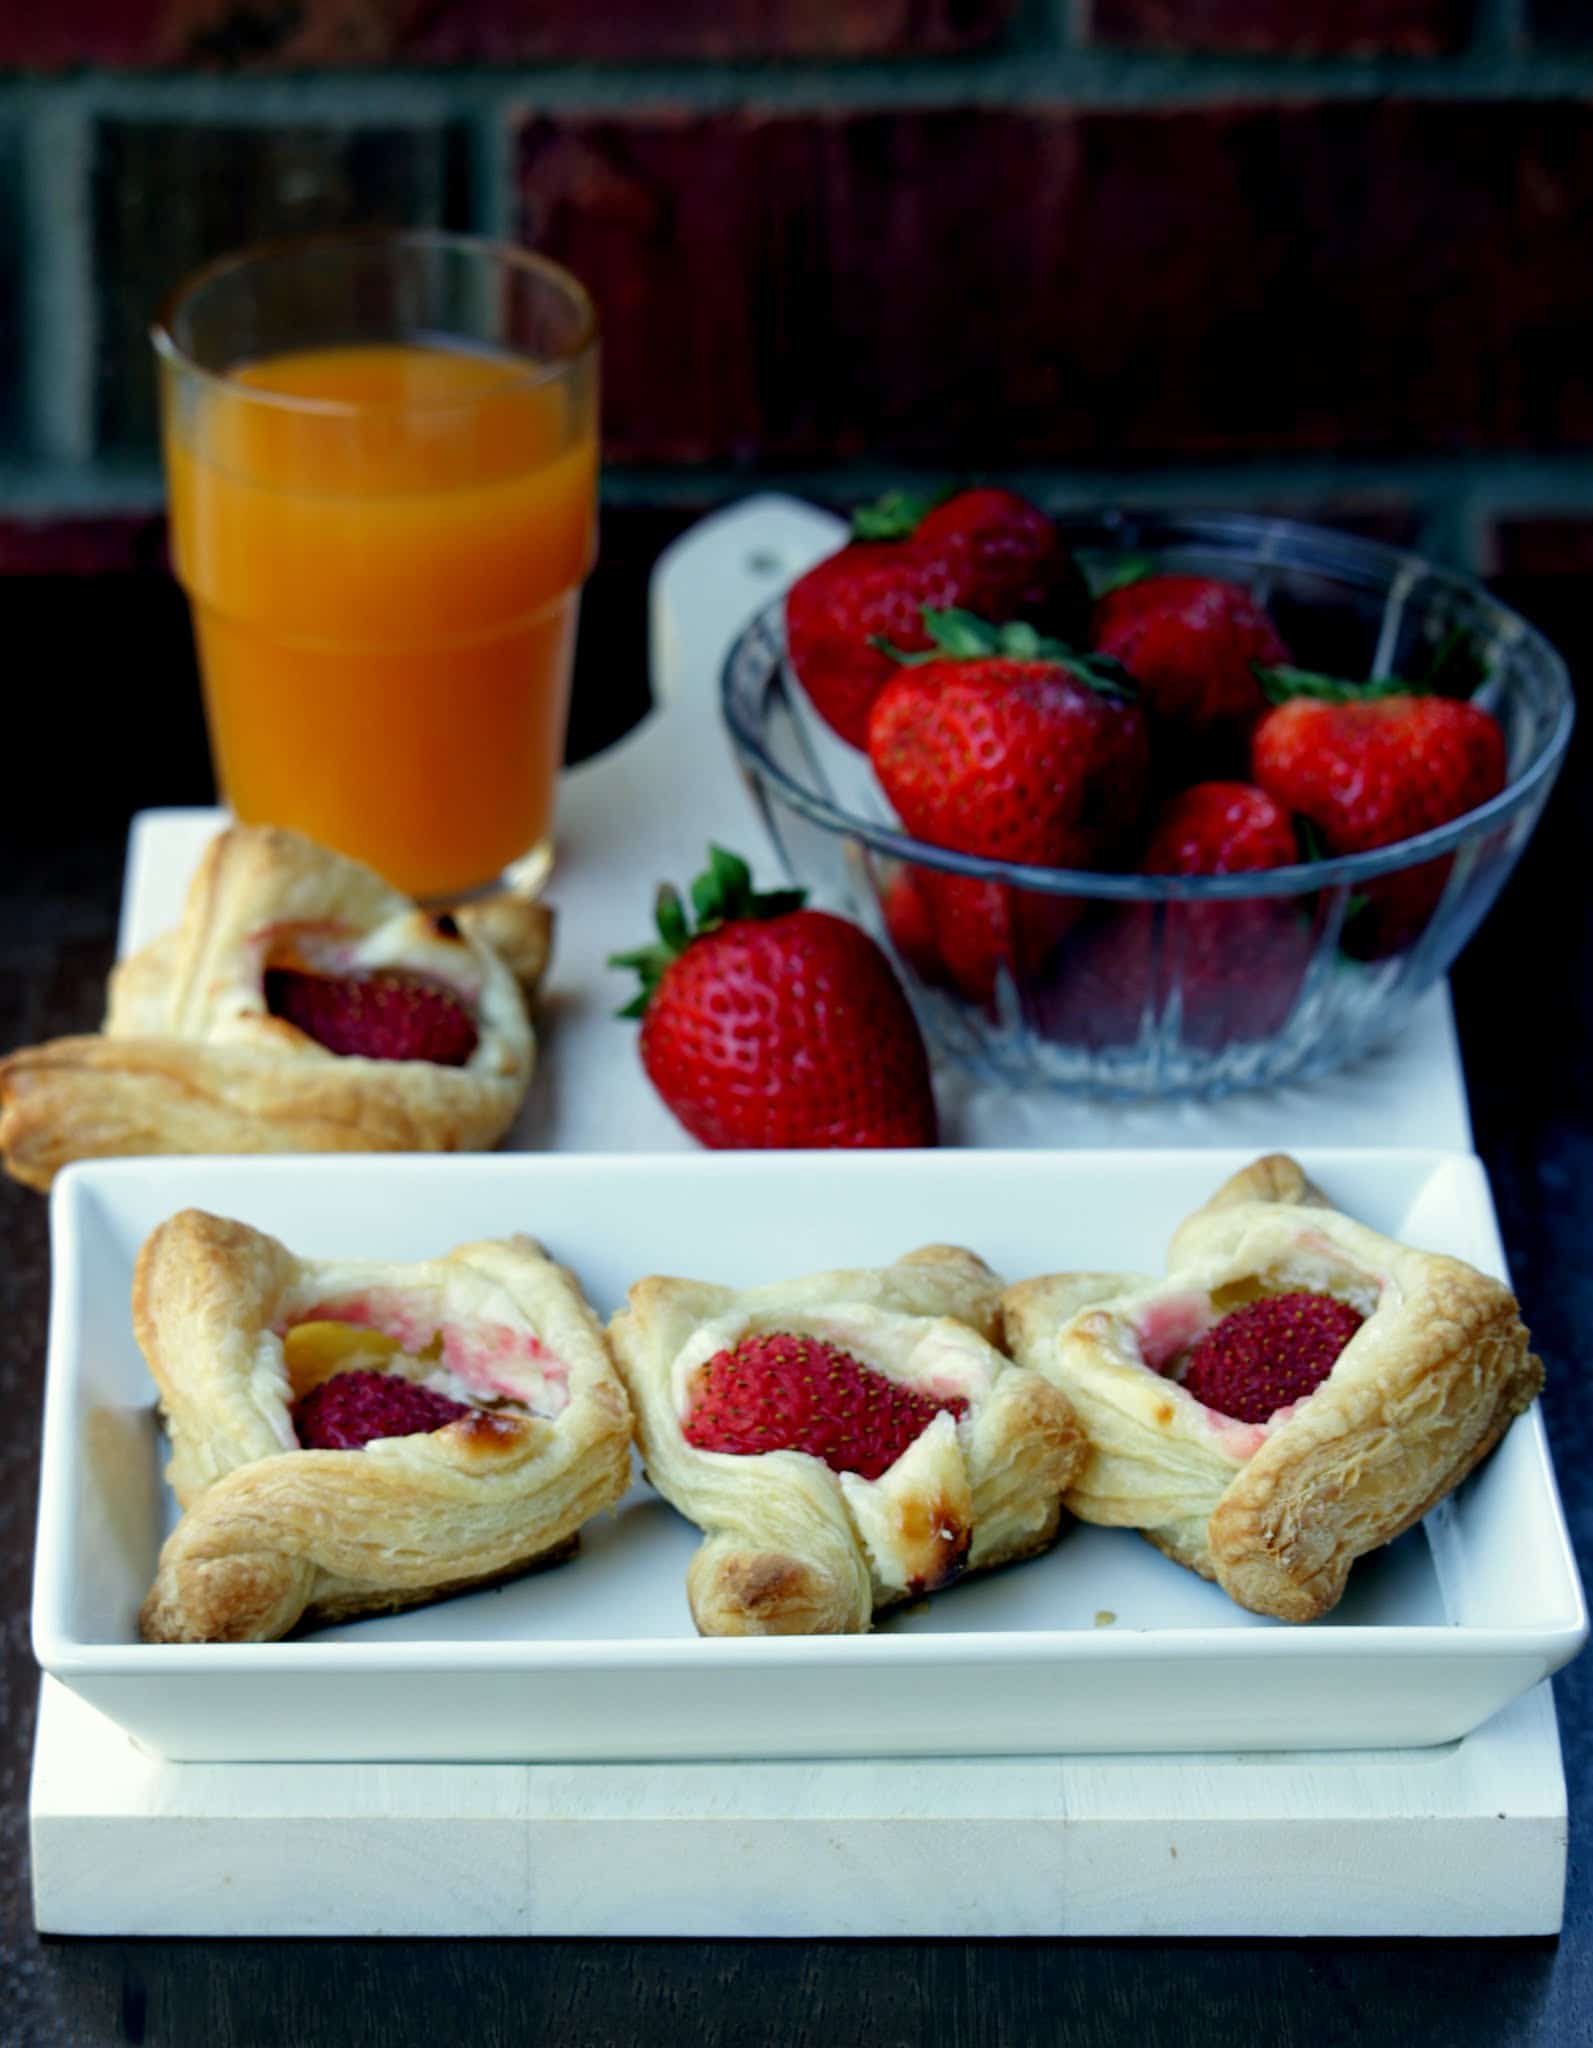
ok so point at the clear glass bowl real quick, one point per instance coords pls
(1147, 985)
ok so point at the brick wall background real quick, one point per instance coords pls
(1323, 256)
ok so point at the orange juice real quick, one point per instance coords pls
(384, 546)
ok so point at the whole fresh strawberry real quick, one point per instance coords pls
(999, 742)
(1370, 764)
(1235, 967)
(979, 930)
(959, 932)
(1191, 643)
(386, 1015)
(1373, 763)
(1220, 828)
(785, 1392)
(986, 550)
(1269, 1354)
(1008, 559)
(904, 905)
(773, 1025)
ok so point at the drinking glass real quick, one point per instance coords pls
(381, 458)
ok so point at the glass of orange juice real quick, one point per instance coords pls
(381, 457)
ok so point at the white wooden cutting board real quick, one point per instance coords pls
(1468, 1839)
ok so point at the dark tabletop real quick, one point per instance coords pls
(1520, 993)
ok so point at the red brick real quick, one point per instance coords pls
(505, 30)
(994, 286)
(1545, 546)
(108, 545)
(68, 32)
(1337, 27)
(291, 34)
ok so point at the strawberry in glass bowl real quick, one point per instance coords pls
(1343, 749)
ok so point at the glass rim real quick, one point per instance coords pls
(762, 642)
(535, 370)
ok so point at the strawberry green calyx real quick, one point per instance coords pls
(897, 515)
(722, 894)
(1457, 667)
(1283, 685)
(961, 636)
(1106, 577)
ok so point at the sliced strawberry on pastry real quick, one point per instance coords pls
(385, 1015)
(352, 1409)
(783, 1392)
(1269, 1354)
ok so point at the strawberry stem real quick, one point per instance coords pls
(1457, 667)
(963, 636)
(898, 514)
(1282, 685)
(722, 894)
(1118, 575)
(669, 914)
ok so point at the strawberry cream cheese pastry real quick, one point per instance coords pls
(1295, 1393)
(353, 1437)
(301, 1005)
(846, 1441)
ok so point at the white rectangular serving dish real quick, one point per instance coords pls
(1103, 1645)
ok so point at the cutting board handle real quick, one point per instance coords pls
(713, 579)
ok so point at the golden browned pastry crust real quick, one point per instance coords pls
(1277, 1512)
(792, 1548)
(273, 1537)
(190, 1059)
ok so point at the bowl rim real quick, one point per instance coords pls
(1312, 546)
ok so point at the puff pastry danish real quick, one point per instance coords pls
(956, 1460)
(1359, 1380)
(301, 1005)
(515, 1427)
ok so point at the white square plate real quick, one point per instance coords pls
(1102, 1645)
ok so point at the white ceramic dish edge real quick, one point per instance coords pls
(1054, 1690)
